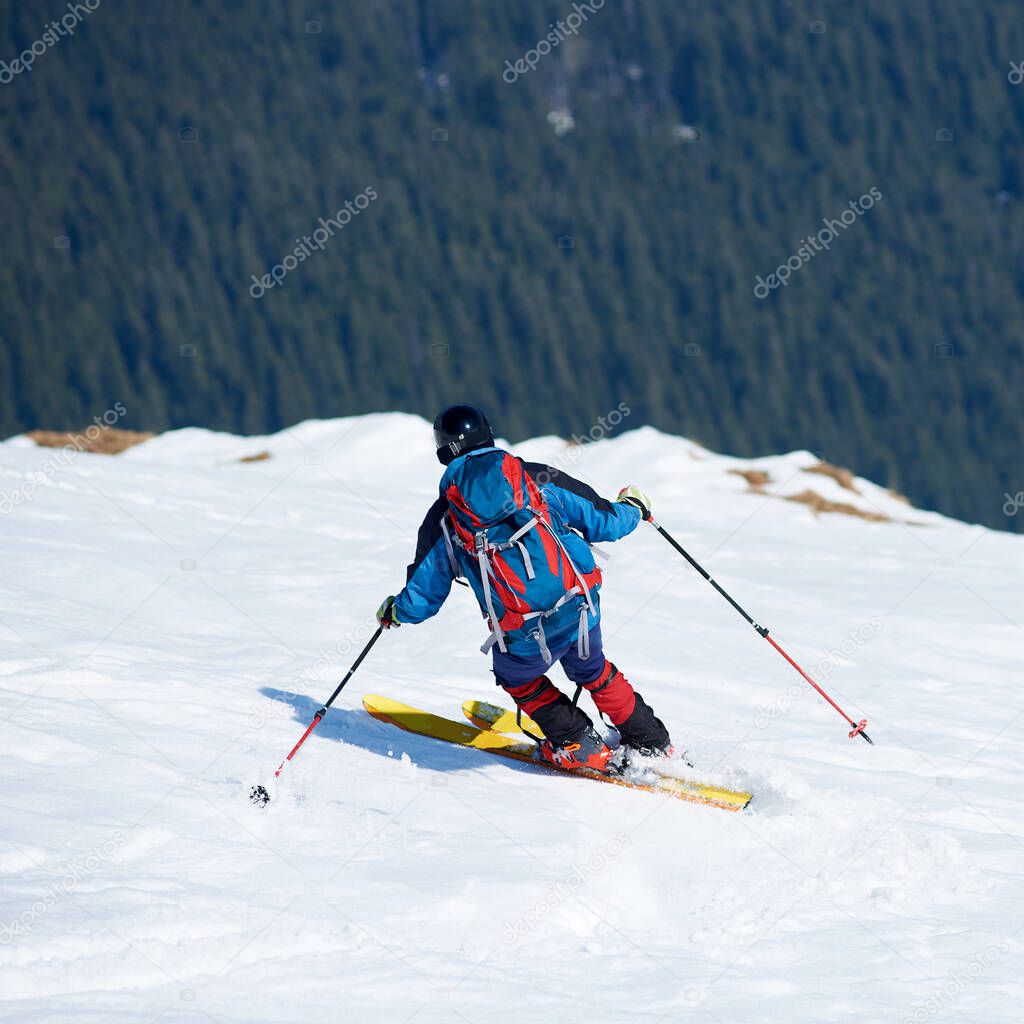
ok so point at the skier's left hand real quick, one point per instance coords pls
(634, 496)
(386, 615)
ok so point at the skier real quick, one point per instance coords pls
(519, 532)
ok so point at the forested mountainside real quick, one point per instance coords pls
(548, 230)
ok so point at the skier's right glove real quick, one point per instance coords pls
(634, 496)
(386, 614)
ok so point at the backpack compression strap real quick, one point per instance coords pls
(497, 636)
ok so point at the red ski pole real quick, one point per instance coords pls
(259, 794)
(857, 727)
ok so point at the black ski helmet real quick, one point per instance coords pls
(460, 429)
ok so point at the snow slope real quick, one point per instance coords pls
(170, 619)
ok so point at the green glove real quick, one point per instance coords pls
(386, 614)
(634, 496)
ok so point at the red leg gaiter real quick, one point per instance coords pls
(612, 693)
(559, 719)
(534, 695)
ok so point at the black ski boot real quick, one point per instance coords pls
(645, 734)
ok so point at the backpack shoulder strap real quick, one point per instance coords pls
(456, 572)
(452, 560)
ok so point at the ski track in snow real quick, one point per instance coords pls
(170, 619)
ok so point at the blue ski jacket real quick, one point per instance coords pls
(579, 516)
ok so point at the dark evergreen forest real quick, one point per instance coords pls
(547, 243)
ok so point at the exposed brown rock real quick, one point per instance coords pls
(99, 440)
(820, 504)
(842, 476)
(756, 478)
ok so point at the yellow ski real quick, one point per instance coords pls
(423, 723)
(497, 719)
(501, 720)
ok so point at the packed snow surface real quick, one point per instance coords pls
(172, 617)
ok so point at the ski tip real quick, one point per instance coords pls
(259, 796)
(485, 715)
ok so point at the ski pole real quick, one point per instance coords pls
(857, 727)
(259, 794)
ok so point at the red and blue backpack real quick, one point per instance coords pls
(499, 525)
